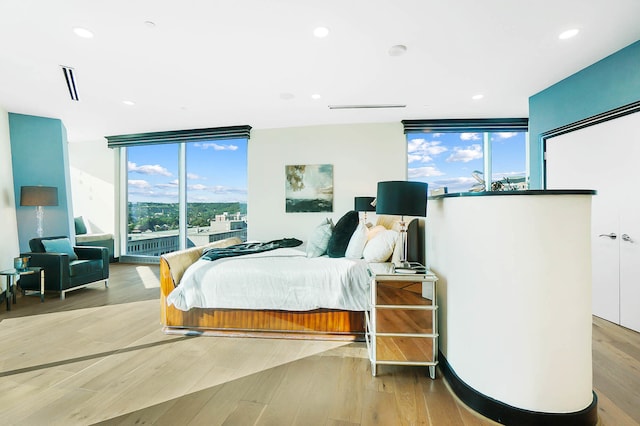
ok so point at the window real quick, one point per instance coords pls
(458, 154)
(182, 189)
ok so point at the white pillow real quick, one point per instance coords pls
(357, 242)
(375, 231)
(380, 248)
(319, 239)
(398, 250)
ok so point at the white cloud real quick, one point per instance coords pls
(504, 135)
(421, 172)
(470, 136)
(215, 146)
(423, 150)
(465, 155)
(197, 187)
(194, 176)
(138, 183)
(148, 169)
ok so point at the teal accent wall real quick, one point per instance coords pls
(39, 157)
(610, 83)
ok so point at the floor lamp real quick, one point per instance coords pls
(39, 196)
(402, 198)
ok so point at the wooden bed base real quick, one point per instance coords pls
(321, 324)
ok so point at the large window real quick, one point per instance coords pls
(459, 158)
(182, 189)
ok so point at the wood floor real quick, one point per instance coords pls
(99, 357)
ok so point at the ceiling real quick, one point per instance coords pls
(194, 64)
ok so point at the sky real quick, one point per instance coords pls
(450, 159)
(216, 172)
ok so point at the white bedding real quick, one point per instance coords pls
(282, 279)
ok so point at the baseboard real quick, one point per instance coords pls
(506, 414)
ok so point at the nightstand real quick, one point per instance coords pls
(402, 325)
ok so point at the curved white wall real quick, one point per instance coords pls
(515, 293)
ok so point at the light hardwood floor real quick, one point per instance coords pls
(100, 357)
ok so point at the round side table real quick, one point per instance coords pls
(10, 292)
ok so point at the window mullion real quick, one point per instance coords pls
(182, 195)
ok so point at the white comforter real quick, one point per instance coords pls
(283, 279)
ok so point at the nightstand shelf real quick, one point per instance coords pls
(402, 324)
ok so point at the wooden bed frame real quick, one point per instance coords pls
(320, 324)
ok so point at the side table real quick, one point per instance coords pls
(402, 327)
(10, 292)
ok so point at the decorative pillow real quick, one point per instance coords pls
(60, 245)
(319, 239)
(396, 257)
(375, 231)
(81, 228)
(357, 242)
(380, 248)
(342, 233)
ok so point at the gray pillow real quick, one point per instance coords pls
(319, 239)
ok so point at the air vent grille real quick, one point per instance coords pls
(367, 106)
(71, 82)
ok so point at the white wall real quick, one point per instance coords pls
(9, 247)
(92, 172)
(361, 155)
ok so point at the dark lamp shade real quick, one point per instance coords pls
(38, 196)
(363, 204)
(402, 198)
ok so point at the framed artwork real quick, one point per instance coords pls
(309, 188)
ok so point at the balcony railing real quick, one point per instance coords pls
(155, 245)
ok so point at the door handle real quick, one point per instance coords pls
(611, 235)
(627, 238)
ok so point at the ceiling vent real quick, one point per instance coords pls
(367, 106)
(71, 82)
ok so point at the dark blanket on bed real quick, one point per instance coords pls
(248, 248)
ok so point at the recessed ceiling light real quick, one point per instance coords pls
(150, 24)
(568, 34)
(83, 32)
(130, 103)
(321, 32)
(315, 96)
(477, 97)
(397, 50)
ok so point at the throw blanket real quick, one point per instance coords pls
(249, 248)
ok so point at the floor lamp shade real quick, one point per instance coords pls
(402, 198)
(38, 196)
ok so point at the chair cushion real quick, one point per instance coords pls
(81, 228)
(60, 245)
(84, 267)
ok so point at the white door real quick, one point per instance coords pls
(605, 157)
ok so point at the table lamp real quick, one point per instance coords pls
(402, 198)
(39, 196)
(364, 204)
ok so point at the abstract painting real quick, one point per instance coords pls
(309, 188)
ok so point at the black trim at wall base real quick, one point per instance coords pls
(508, 415)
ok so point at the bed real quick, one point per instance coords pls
(338, 322)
